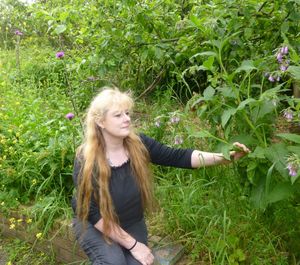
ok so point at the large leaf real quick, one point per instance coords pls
(245, 102)
(60, 29)
(227, 115)
(277, 154)
(290, 136)
(280, 192)
(246, 66)
(294, 71)
(208, 93)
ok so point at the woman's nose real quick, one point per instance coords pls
(126, 117)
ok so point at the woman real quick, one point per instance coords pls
(114, 184)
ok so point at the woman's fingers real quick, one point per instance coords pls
(242, 147)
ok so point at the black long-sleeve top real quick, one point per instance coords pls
(123, 188)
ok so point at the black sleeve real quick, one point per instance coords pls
(164, 155)
(94, 212)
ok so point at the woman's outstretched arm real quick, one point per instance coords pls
(204, 159)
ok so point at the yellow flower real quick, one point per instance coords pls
(2, 203)
(12, 226)
(4, 157)
(10, 130)
(12, 220)
(9, 263)
(33, 181)
(20, 220)
(17, 103)
(38, 235)
(3, 141)
(29, 221)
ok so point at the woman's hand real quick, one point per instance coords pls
(142, 253)
(240, 151)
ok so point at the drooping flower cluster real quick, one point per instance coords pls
(292, 169)
(283, 61)
(282, 58)
(293, 166)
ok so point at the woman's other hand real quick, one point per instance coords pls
(143, 254)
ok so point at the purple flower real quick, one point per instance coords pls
(288, 115)
(279, 57)
(283, 67)
(70, 116)
(18, 33)
(271, 78)
(284, 50)
(60, 54)
(175, 119)
(292, 170)
(178, 140)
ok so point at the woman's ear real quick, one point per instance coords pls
(99, 122)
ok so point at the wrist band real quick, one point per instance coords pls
(133, 245)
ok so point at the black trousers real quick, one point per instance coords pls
(100, 252)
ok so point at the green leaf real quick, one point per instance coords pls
(246, 66)
(290, 136)
(209, 93)
(60, 29)
(294, 149)
(294, 71)
(277, 154)
(227, 115)
(259, 152)
(208, 64)
(245, 102)
(280, 192)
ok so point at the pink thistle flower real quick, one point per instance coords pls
(18, 33)
(70, 116)
(60, 54)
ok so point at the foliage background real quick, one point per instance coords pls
(212, 65)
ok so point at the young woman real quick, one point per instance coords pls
(114, 184)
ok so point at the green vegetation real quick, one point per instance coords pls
(204, 73)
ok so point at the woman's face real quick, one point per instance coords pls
(116, 123)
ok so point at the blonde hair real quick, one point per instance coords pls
(95, 167)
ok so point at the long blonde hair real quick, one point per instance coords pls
(95, 167)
